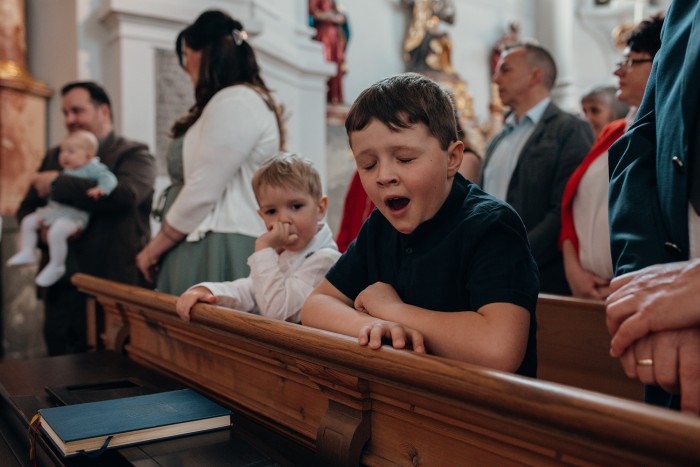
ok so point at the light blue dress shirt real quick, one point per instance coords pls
(507, 151)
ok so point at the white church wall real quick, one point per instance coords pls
(51, 55)
(90, 43)
(594, 47)
(378, 28)
(374, 51)
(478, 26)
(114, 42)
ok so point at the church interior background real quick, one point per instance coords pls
(128, 45)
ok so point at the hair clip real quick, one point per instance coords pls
(239, 36)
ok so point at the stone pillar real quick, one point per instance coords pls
(554, 29)
(22, 144)
(22, 110)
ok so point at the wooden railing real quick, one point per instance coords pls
(573, 347)
(355, 405)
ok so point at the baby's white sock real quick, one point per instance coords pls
(23, 257)
(50, 275)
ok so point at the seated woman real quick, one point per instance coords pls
(584, 237)
(600, 107)
(210, 221)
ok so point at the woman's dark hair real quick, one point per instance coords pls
(227, 59)
(646, 37)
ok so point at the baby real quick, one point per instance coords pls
(291, 258)
(77, 157)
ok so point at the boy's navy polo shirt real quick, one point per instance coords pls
(473, 252)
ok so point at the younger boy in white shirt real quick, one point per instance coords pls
(291, 258)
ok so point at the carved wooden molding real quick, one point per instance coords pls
(342, 434)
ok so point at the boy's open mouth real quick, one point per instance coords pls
(396, 204)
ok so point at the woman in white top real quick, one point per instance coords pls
(585, 236)
(210, 222)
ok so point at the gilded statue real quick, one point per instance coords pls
(425, 47)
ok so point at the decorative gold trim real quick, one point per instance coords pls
(13, 70)
(15, 76)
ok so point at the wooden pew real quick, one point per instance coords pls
(355, 405)
(573, 347)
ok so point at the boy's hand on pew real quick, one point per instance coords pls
(668, 359)
(380, 300)
(191, 296)
(398, 335)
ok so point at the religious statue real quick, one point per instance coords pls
(332, 31)
(428, 50)
(425, 47)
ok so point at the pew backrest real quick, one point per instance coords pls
(573, 347)
(355, 405)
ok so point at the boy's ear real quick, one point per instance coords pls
(455, 153)
(322, 207)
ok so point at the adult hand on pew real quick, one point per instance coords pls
(658, 298)
(668, 359)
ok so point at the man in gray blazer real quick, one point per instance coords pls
(529, 162)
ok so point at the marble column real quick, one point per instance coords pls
(22, 110)
(554, 29)
(22, 144)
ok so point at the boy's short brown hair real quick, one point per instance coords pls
(403, 100)
(291, 171)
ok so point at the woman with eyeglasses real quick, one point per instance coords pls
(209, 219)
(585, 238)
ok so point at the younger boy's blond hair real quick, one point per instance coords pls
(290, 171)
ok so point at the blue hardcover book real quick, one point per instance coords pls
(95, 426)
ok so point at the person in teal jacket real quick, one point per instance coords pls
(651, 218)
